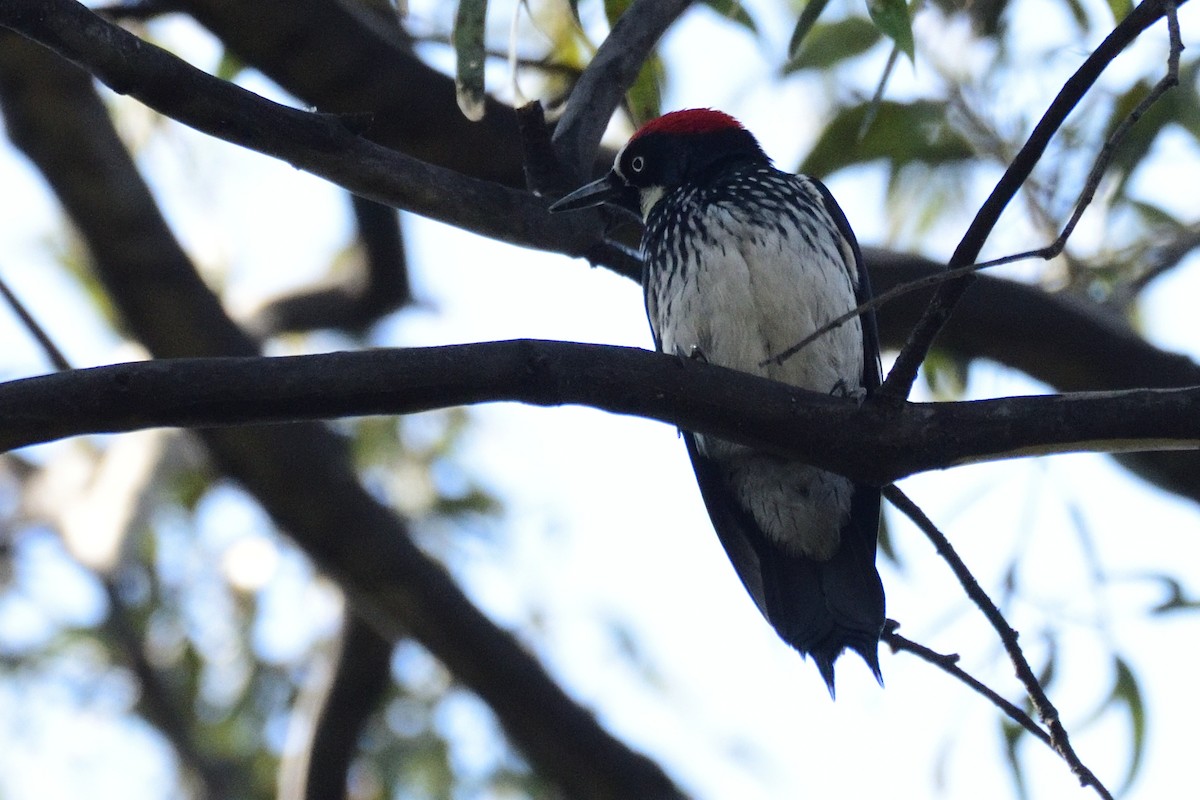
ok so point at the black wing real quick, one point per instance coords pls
(818, 607)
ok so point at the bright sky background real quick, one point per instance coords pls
(604, 525)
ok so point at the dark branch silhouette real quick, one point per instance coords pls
(948, 663)
(301, 474)
(904, 372)
(874, 443)
(375, 287)
(1008, 637)
(995, 341)
(607, 77)
(327, 145)
(390, 583)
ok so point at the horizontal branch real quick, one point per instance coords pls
(875, 443)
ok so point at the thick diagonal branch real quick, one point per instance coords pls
(325, 145)
(609, 75)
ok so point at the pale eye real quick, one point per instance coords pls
(637, 164)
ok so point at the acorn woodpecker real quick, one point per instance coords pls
(741, 261)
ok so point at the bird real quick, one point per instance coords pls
(742, 260)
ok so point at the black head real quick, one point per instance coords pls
(678, 148)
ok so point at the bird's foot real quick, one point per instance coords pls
(693, 353)
(843, 389)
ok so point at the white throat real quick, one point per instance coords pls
(649, 198)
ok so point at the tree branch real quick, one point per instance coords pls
(608, 77)
(338, 57)
(874, 443)
(301, 474)
(47, 345)
(948, 663)
(331, 713)
(1058, 339)
(1008, 637)
(325, 145)
(904, 372)
(377, 284)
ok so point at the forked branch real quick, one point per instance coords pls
(904, 372)
(1008, 637)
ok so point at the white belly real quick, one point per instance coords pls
(740, 306)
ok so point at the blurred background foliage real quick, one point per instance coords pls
(141, 591)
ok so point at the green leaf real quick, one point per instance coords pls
(946, 374)
(886, 544)
(1013, 734)
(892, 17)
(230, 66)
(1155, 216)
(808, 18)
(470, 57)
(1175, 600)
(1050, 669)
(1120, 9)
(643, 101)
(735, 11)
(644, 98)
(613, 9)
(1127, 694)
(1172, 107)
(826, 45)
(902, 133)
(1078, 13)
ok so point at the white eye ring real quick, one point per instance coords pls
(637, 164)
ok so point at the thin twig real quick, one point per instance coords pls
(900, 380)
(1165, 257)
(35, 330)
(948, 663)
(877, 98)
(1055, 248)
(880, 299)
(1008, 637)
(1104, 158)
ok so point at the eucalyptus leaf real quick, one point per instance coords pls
(230, 66)
(469, 25)
(735, 11)
(808, 18)
(828, 44)
(893, 19)
(1120, 9)
(902, 133)
(1128, 693)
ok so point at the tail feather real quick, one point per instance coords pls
(818, 607)
(823, 607)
